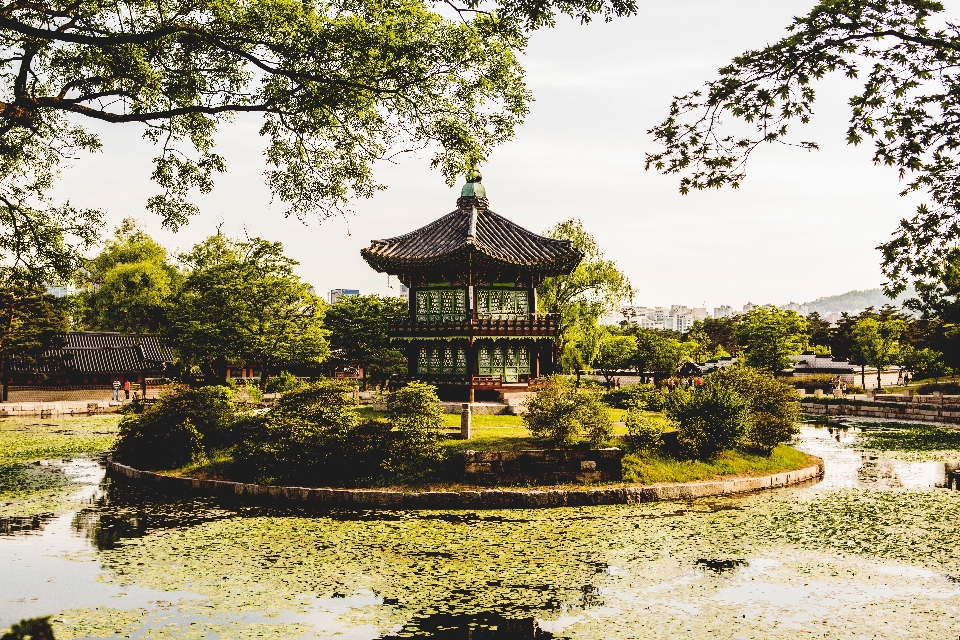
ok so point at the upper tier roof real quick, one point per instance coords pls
(473, 228)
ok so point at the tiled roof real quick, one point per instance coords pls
(150, 345)
(473, 228)
(106, 360)
(106, 352)
(810, 363)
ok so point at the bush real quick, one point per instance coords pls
(708, 420)
(822, 381)
(178, 428)
(645, 434)
(562, 414)
(315, 437)
(285, 382)
(147, 443)
(304, 438)
(946, 388)
(774, 406)
(632, 395)
(416, 414)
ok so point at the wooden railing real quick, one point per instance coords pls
(544, 324)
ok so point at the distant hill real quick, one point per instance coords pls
(854, 301)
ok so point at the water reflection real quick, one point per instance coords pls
(751, 566)
(486, 626)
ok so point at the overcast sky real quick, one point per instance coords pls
(803, 224)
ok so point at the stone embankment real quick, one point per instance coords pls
(57, 409)
(480, 499)
(921, 408)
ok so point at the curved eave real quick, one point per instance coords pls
(395, 266)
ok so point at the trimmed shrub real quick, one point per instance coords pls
(644, 433)
(178, 429)
(708, 420)
(562, 414)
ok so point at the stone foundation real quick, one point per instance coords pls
(542, 466)
(57, 409)
(480, 499)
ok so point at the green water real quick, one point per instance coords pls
(868, 553)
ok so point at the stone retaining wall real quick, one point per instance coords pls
(52, 409)
(481, 499)
(542, 466)
(948, 414)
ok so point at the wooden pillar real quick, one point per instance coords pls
(471, 368)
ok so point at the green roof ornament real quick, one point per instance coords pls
(473, 186)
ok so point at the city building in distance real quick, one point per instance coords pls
(336, 294)
(723, 311)
(675, 318)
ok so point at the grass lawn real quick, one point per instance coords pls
(654, 469)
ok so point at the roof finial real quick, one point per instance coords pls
(473, 186)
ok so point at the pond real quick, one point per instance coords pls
(869, 552)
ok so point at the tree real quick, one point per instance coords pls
(908, 107)
(615, 354)
(129, 283)
(242, 303)
(938, 301)
(594, 288)
(581, 346)
(30, 325)
(358, 332)
(658, 354)
(721, 334)
(768, 336)
(877, 341)
(337, 86)
(819, 331)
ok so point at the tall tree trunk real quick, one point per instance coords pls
(220, 367)
(863, 376)
(879, 370)
(264, 376)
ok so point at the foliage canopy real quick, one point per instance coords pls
(908, 107)
(336, 87)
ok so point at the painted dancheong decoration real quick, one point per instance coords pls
(473, 278)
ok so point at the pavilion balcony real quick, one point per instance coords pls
(533, 325)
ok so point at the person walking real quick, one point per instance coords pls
(126, 388)
(116, 389)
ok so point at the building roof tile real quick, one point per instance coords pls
(473, 228)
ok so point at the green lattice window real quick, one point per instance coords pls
(442, 360)
(441, 304)
(502, 303)
(507, 361)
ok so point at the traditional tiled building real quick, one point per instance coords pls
(472, 276)
(94, 359)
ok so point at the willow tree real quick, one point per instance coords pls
(336, 85)
(596, 287)
(908, 106)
